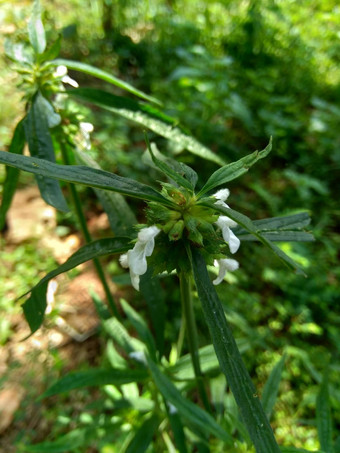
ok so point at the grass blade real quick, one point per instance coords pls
(271, 388)
(324, 417)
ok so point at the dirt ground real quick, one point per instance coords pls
(28, 367)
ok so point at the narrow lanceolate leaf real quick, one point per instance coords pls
(64, 444)
(173, 169)
(36, 32)
(249, 226)
(86, 176)
(40, 145)
(231, 362)
(271, 388)
(120, 215)
(323, 417)
(234, 170)
(148, 117)
(141, 327)
(35, 306)
(106, 76)
(186, 408)
(278, 236)
(12, 174)
(143, 437)
(95, 378)
(298, 450)
(287, 228)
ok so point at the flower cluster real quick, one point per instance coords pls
(187, 220)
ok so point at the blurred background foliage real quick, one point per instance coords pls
(232, 73)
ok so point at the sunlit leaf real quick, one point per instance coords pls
(148, 117)
(103, 75)
(36, 30)
(40, 145)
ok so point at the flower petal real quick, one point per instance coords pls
(225, 265)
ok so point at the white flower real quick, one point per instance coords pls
(225, 223)
(85, 129)
(61, 71)
(135, 259)
(224, 265)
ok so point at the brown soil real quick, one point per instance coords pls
(28, 367)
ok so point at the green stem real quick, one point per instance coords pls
(189, 316)
(87, 236)
(181, 336)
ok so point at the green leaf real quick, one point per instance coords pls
(186, 408)
(178, 431)
(148, 117)
(154, 296)
(300, 220)
(183, 369)
(174, 170)
(231, 362)
(141, 327)
(52, 52)
(324, 417)
(121, 336)
(298, 450)
(36, 30)
(249, 226)
(68, 442)
(120, 215)
(40, 145)
(35, 306)
(234, 170)
(83, 175)
(271, 387)
(95, 377)
(143, 437)
(19, 53)
(278, 236)
(103, 75)
(12, 174)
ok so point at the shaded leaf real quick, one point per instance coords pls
(141, 327)
(234, 170)
(120, 215)
(231, 362)
(324, 417)
(271, 387)
(148, 117)
(143, 437)
(180, 173)
(68, 442)
(95, 377)
(186, 408)
(12, 174)
(87, 176)
(35, 306)
(103, 75)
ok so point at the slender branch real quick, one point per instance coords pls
(87, 236)
(190, 322)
